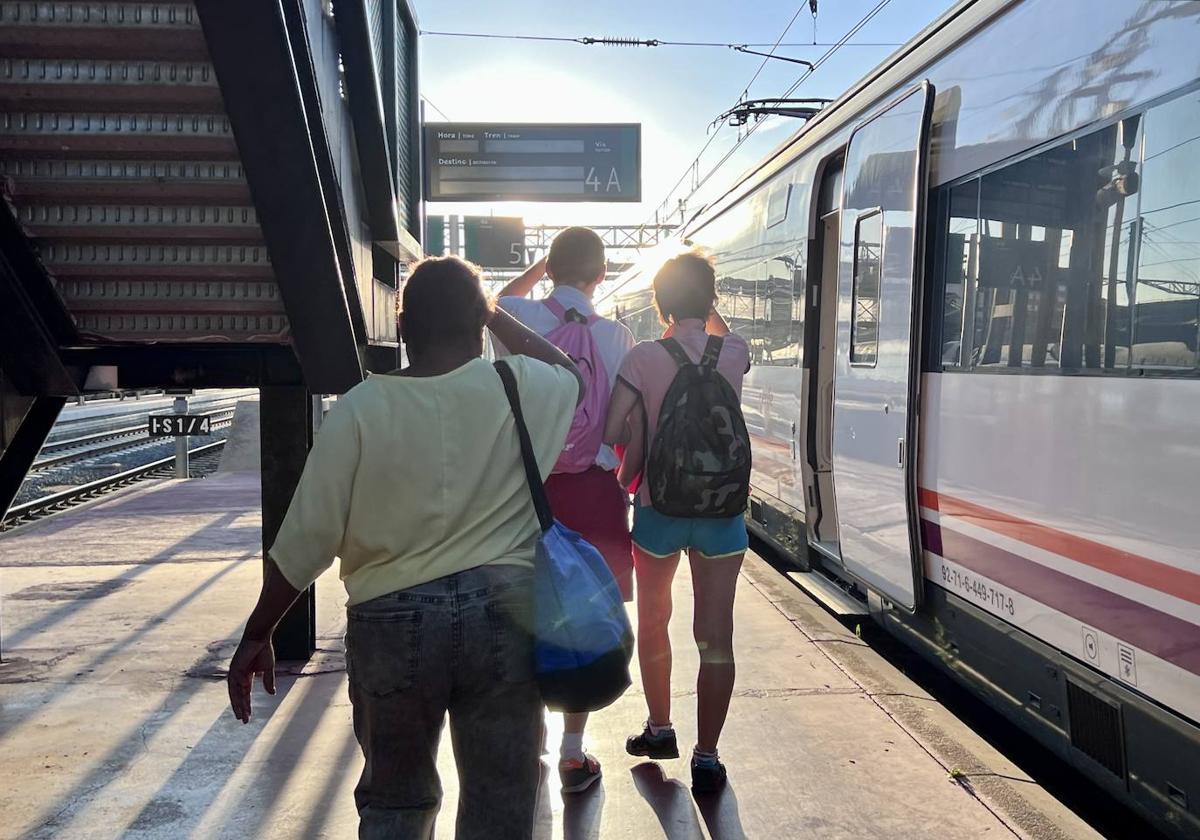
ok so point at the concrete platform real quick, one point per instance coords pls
(114, 722)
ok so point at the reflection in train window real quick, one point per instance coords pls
(782, 312)
(1044, 278)
(1167, 296)
(737, 300)
(638, 313)
(864, 311)
(962, 246)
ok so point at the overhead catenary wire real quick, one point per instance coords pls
(816, 64)
(837, 45)
(745, 92)
(434, 106)
(771, 54)
(612, 41)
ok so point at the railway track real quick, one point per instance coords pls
(202, 459)
(70, 468)
(84, 447)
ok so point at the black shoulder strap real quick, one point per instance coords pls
(532, 475)
(676, 350)
(712, 352)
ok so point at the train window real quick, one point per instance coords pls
(777, 203)
(740, 303)
(782, 311)
(1167, 295)
(961, 247)
(1050, 287)
(864, 311)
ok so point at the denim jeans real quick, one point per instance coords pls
(460, 644)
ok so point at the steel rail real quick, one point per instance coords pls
(66, 451)
(55, 502)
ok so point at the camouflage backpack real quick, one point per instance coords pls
(699, 464)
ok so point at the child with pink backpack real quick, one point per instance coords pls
(583, 488)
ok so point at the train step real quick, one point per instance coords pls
(828, 593)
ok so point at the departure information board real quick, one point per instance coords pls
(533, 162)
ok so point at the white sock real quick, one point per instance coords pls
(657, 729)
(705, 758)
(572, 747)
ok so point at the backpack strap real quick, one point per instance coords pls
(712, 352)
(533, 477)
(676, 350)
(567, 315)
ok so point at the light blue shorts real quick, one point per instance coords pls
(663, 536)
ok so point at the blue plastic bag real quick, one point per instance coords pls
(582, 638)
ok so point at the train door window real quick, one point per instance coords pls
(864, 310)
(1166, 307)
(829, 196)
(958, 269)
(1050, 290)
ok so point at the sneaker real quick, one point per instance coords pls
(708, 778)
(578, 776)
(662, 745)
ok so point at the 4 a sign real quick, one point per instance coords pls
(1018, 264)
(178, 425)
(533, 162)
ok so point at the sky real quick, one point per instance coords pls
(674, 92)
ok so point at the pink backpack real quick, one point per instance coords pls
(574, 337)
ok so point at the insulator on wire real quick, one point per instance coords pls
(611, 41)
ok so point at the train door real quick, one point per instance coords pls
(877, 371)
(820, 325)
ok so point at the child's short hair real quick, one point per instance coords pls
(576, 257)
(685, 287)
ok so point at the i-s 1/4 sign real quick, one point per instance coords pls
(533, 162)
(179, 425)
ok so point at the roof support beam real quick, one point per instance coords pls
(364, 92)
(253, 59)
(192, 365)
(335, 208)
(36, 417)
(33, 320)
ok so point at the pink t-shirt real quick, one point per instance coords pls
(650, 370)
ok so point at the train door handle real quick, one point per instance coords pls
(900, 453)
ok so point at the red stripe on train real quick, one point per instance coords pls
(1170, 638)
(1163, 577)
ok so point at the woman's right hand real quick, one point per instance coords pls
(519, 340)
(253, 657)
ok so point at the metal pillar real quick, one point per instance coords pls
(17, 453)
(181, 442)
(28, 433)
(455, 240)
(285, 436)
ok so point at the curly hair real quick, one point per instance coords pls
(443, 303)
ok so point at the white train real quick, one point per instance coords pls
(972, 290)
